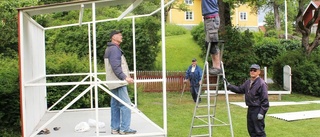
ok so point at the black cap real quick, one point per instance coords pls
(115, 32)
(255, 66)
(194, 60)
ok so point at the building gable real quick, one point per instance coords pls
(309, 11)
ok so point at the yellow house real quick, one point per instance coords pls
(188, 18)
(242, 16)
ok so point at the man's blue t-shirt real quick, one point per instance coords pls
(209, 7)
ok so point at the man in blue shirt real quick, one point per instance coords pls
(193, 74)
(210, 13)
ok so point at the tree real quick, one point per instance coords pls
(305, 29)
(225, 14)
(149, 6)
(9, 25)
(276, 5)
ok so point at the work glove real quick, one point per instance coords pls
(185, 81)
(228, 84)
(226, 81)
(260, 116)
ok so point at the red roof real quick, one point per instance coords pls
(317, 2)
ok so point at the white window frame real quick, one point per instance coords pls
(313, 13)
(188, 2)
(243, 16)
(189, 14)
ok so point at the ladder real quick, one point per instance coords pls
(204, 116)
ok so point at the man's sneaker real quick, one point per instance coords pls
(129, 131)
(214, 71)
(114, 131)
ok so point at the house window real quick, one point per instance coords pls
(189, 15)
(312, 13)
(243, 16)
(188, 2)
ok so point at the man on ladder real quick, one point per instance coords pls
(210, 13)
(206, 118)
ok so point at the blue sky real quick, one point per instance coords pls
(261, 15)
(261, 18)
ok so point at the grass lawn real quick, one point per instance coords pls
(180, 50)
(179, 115)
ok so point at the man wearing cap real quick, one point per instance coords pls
(256, 98)
(210, 13)
(117, 70)
(193, 74)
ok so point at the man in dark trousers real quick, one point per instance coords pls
(256, 98)
(193, 74)
(210, 13)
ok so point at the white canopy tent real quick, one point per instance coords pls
(35, 115)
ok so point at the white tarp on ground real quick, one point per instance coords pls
(242, 104)
(292, 116)
(316, 101)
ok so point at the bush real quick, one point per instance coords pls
(147, 41)
(272, 33)
(238, 54)
(9, 94)
(258, 37)
(305, 71)
(173, 29)
(198, 34)
(75, 40)
(238, 48)
(62, 63)
(291, 44)
(267, 50)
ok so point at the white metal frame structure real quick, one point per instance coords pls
(32, 63)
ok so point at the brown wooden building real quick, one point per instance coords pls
(309, 13)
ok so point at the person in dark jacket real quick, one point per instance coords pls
(256, 98)
(210, 13)
(193, 74)
(117, 70)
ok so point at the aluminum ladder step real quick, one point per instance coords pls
(205, 106)
(210, 85)
(203, 119)
(211, 95)
(204, 135)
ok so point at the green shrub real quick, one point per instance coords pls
(267, 50)
(147, 41)
(62, 63)
(291, 44)
(272, 33)
(237, 54)
(258, 36)
(305, 71)
(9, 94)
(198, 34)
(173, 29)
(10, 132)
(75, 40)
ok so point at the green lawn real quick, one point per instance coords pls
(179, 115)
(180, 50)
